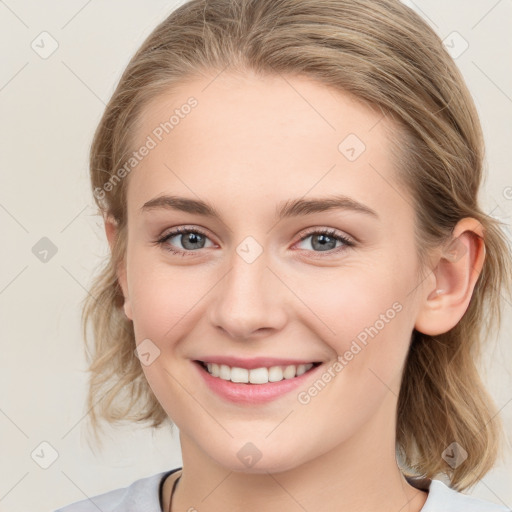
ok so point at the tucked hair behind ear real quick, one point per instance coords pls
(383, 53)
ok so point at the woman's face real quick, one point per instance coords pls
(257, 284)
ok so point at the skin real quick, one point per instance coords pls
(251, 143)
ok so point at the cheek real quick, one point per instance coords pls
(364, 318)
(161, 296)
(347, 300)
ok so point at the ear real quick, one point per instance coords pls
(456, 274)
(111, 230)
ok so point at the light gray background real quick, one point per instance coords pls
(49, 109)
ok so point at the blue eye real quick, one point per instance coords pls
(324, 240)
(196, 238)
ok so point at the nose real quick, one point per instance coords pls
(250, 300)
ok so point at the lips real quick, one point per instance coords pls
(252, 393)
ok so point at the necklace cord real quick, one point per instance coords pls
(172, 492)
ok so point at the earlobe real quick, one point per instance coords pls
(456, 274)
(127, 309)
(111, 232)
(121, 277)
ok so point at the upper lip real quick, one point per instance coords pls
(253, 362)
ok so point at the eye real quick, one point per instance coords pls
(192, 239)
(326, 239)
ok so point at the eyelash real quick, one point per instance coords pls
(332, 233)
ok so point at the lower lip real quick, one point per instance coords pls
(253, 393)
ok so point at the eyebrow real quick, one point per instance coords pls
(286, 209)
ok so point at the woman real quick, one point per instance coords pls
(300, 271)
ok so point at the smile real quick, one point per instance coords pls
(261, 375)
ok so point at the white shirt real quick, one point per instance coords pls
(143, 495)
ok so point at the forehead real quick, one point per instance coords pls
(248, 140)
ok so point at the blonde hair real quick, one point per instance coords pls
(383, 53)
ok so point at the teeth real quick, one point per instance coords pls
(257, 375)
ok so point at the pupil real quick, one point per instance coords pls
(324, 241)
(192, 238)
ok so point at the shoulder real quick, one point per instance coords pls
(442, 498)
(143, 494)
